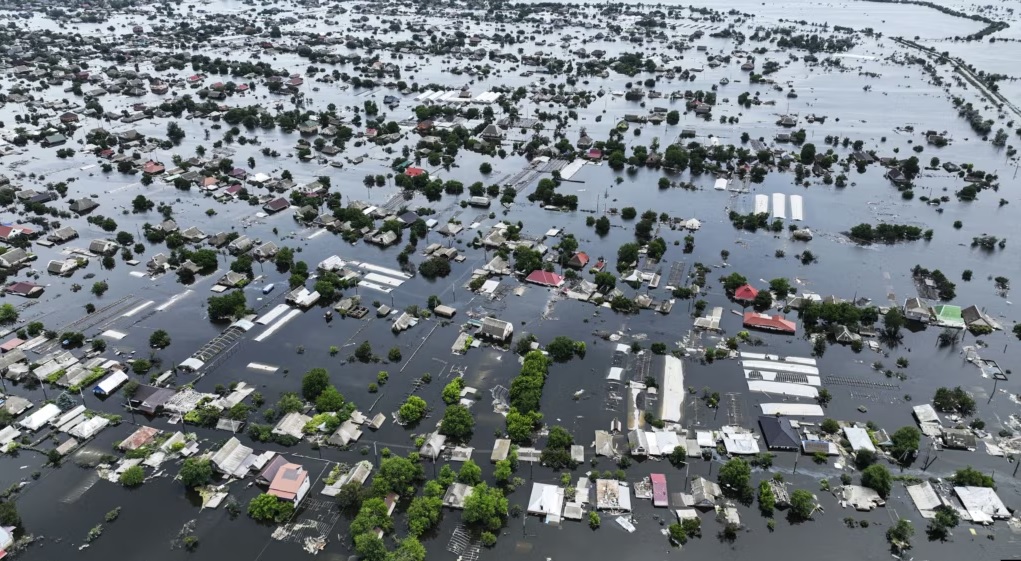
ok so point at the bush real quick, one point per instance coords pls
(268, 508)
(132, 477)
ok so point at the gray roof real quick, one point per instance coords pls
(778, 433)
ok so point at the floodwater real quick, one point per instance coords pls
(62, 504)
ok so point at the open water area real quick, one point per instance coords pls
(871, 96)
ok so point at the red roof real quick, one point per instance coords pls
(412, 171)
(7, 232)
(152, 168)
(24, 288)
(545, 278)
(659, 493)
(580, 259)
(770, 323)
(12, 344)
(746, 292)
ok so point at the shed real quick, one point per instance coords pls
(444, 311)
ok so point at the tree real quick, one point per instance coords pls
(314, 383)
(561, 348)
(485, 168)
(520, 426)
(132, 477)
(350, 497)
(593, 520)
(802, 504)
(602, 226)
(457, 422)
(824, 397)
(8, 313)
(413, 410)
(227, 307)
(364, 352)
(893, 321)
(946, 519)
(899, 535)
(159, 339)
(394, 355)
(470, 473)
(196, 472)
(627, 256)
(905, 444)
(100, 288)
(559, 437)
(953, 401)
(970, 477)
(9, 513)
(330, 400)
(410, 549)
(269, 508)
(605, 281)
(734, 477)
(423, 514)
(763, 300)
(864, 458)
(434, 267)
(452, 391)
(485, 507)
(369, 546)
(733, 281)
(830, 426)
(767, 499)
(877, 478)
(678, 456)
(396, 474)
(808, 154)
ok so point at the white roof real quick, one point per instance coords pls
(108, 385)
(89, 428)
(36, 420)
(982, 503)
(925, 413)
(546, 499)
(859, 439)
(616, 374)
(740, 443)
(792, 409)
(673, 390)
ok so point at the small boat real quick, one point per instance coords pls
(724, 81)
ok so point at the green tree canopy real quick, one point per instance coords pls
(314, 383)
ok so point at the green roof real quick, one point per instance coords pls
(948, 315)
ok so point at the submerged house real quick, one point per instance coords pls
(778, 323)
